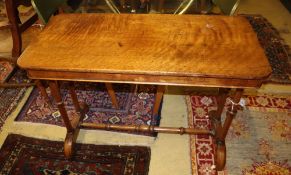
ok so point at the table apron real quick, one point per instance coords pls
(145, 79)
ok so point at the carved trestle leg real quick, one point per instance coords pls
(73, 125)
(158, 100)
(222, 129)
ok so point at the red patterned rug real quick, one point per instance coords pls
(29, 156)
(136, 105)
(258, 142)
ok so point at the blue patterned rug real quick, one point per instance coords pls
(10, 97)
(136, 105)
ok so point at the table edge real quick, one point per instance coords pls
(147, 79)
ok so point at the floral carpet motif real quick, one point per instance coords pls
(258, 141)
(24, 155)
(278, 53)
(135, 105)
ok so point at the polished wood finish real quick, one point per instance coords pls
(145, 79)
(230, 114)
(112, 95)
(220, 129)
(186, 46)
(147, 129)
(158, 100)
(71, 125)
(17, 27)
(42, 90)
(211, 51)
(221, 99)
(46, 9)
(15, 24)
(71, 137)
(59, 102)
(74, 96)
(81, 110)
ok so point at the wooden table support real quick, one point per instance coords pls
(39, 84)
(158, 99)
(222, 129)
(218, 131)
(71, 125)
(112, 95)
(183, 50)
(147, 129)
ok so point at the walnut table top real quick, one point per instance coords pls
(190, 50)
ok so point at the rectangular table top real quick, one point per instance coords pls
(136, 48)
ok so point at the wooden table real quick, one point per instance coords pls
(205, 51)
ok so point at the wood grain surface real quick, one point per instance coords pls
(151, 44)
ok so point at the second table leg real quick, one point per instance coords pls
(72, 126)
(222, 129)
(158, 100)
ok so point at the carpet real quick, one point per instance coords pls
(277, 52)
(136, 105)
(258, 141)
(10, 97)
(5, 69)
(30, 156)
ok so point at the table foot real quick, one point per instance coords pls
(71, 137)
(220, 149)
(220, 155)
(68, 145)
(221, 129)
(73, 125)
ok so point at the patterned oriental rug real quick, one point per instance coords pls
(258, 142)
(10, 97)
(24, 155)
(278, 53)
(5, 70)
(136, 105)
